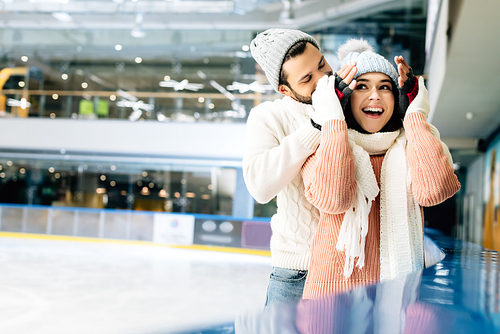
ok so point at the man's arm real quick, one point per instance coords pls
(269, 164)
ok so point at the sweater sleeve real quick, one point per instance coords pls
(433, 177)
(329, 174)
(269, 164)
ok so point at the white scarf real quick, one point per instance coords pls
(401, 234)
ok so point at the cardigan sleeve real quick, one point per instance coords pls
(270, 163)
(432, 174)
(329, 173)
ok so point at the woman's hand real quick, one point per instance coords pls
(407, 84)
(344, 83)
(421, 102)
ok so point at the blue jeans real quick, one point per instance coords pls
(285, 285)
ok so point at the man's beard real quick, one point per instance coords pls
(301, 98)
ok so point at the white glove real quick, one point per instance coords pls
(325, 102)
(421, 102)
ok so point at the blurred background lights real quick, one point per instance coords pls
(64, 76)
(118, 47)
(24, 59)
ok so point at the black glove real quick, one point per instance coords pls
(407, 93)
(343, 91)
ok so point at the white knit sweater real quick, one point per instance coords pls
(279, 139)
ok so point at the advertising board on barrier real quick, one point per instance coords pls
(173, 229)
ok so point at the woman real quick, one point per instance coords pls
(376, 166)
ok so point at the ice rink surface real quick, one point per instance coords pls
(60, 286)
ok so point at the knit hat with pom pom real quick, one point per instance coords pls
(270, 47)
(360, 51)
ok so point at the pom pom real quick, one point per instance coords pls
(354, 45)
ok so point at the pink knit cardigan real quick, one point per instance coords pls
(331, 187)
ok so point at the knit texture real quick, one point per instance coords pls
(279, 138)
(270, 47)
(329, 177)
(367, 61)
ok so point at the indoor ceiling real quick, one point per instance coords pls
(182, 37)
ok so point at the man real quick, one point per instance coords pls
(279, 139)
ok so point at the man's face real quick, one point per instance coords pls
(303, 72)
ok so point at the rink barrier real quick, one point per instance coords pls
(179, 230)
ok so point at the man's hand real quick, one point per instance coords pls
(325, 103)
(407, 84)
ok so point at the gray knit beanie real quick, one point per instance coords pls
(360, 51)
(270, 47)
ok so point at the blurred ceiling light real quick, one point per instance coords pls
(166, 78)
(222, 90)
(245, 48)
(163, 193)
(254, 86)
(118, 47)
(100, 190)
(126, 95)
(201, 99)
(16, 103)
(145, 191)
(64, 76)
(201, 74)
(138, 60)
(84, 85)
(138, 30)
(21, 83)
(184, 84)
(161, 117)
(62, 16)
(287, 15)
(55, 96)
(24, 59)
(112, 97)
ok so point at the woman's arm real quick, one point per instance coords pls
(433, 177)
(329, 173)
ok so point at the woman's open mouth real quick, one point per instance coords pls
(373, 112)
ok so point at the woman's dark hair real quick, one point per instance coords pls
(296, 50)
(394, 123)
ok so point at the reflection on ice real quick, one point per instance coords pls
(459, 295)
(389, 307)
